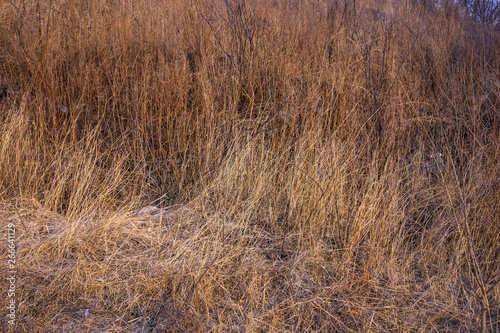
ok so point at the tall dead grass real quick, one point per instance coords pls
(327, 166)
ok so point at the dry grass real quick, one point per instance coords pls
(326, 168)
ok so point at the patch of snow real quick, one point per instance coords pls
(151, 211)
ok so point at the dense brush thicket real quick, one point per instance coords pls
(334, 165)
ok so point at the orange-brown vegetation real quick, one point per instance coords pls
(325, 166)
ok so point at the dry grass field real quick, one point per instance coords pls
(319, 165)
